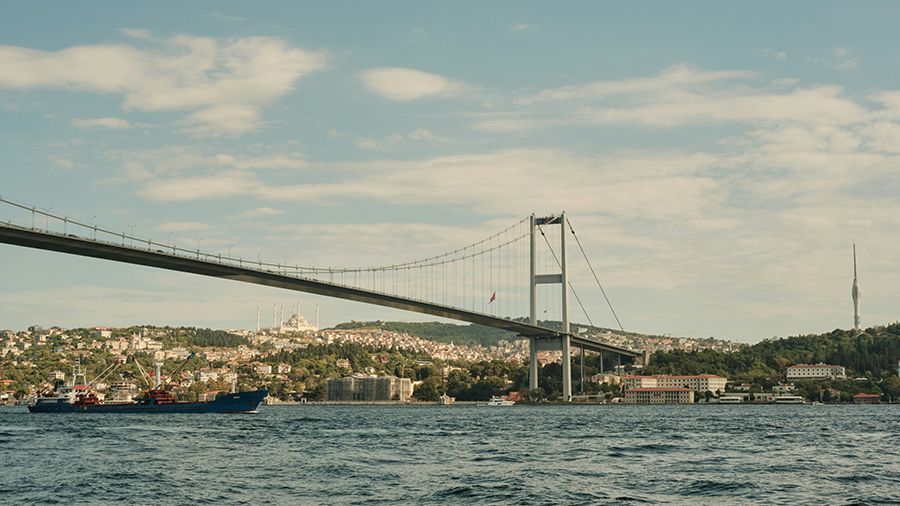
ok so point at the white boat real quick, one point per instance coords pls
(731, 400)
(497, 401)
(789, 399)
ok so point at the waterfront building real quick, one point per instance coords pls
(659, 395)
(609, 379)
(816, 372)
(866, 399)
(785, 388)
(359, 389)
(701, 383)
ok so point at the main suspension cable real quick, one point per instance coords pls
(583, 310)
(594, 273)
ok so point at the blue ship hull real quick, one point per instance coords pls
(231, 403)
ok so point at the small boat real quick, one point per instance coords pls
(731, 400)
(497, 401)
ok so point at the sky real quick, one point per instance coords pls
(718, 160)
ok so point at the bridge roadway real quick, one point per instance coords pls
(74, 245)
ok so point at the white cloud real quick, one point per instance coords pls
(226, 82)
(138, 33)
(682, 95)
(117, 123)
(508, 124)
(335, 134)
(181, 226)
(394, 141)
(403, 85)
(228, 184)
(62, 162)
(222, 17)
(153, 163)
(672, 82)
(848, 64)
(262, 211)
(520, 26)
(842, 60)
(778, 55)
(515, 180)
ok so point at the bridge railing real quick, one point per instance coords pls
(97, 234)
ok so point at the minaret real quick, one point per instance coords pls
(317, 317)
(274, 315)
(257, 319)
(856, 293)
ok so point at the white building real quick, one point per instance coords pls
(816, 372)
(659, 395)
(701, 383)
(783, 389)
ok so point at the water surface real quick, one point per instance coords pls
(457, 455)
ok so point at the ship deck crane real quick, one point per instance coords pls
(177, 370)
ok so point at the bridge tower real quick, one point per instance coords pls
(562, 342)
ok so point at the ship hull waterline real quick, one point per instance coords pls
(242, 402)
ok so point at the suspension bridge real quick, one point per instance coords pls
(502, 281)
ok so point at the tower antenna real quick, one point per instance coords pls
(856, 294)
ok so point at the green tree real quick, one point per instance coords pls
(891, 386)
(429, 390)
(318, 391)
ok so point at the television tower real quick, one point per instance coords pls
(856, 293)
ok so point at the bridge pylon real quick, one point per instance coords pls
(563, 341)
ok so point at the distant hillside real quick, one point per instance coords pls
(439, 332)
(465, 334)
(874, 353)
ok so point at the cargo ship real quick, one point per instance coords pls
(78, 397)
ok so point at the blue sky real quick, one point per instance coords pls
(717, 159)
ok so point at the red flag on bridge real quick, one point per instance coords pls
(494, 296)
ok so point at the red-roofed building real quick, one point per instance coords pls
(659, 395)
(866, 399)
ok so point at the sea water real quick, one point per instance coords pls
(424, 455)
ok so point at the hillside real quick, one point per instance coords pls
(874, 354)
(439, 332)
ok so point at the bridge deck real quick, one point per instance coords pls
(74, 245)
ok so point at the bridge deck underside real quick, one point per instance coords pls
(90, 248)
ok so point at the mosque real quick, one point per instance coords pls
(296, 323)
